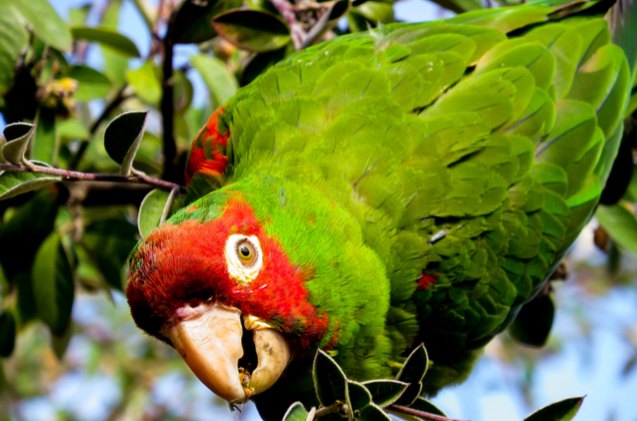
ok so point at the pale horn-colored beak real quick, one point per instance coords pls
(209, 340)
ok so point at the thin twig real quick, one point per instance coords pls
(420, 414)
(116, 101)
(70, 175)
(296, 30)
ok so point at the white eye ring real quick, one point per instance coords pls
(243, 257)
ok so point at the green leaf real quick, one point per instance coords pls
(385, 392)
(53, 286)
(252, 30)
(45, 23)
(338, 9)
(154, 210)
(422, 404)
(259, 63)
(296, 412)
(107, 37)
(25, 227)
(108, 242)
(4, 285)
(415, 367)
(221, 84)
(373, 413)
(18, 136)
(91, 83)
(13, 40)
(44, 146)
(329, 379)
(410, 395)
(115, 64)
(60, 342)
(7, 333)
(15, 183)
(191, 23)
(72, 129)
(358, 397)
(533, 323)
(182, 91)
(122, 137)
(620, 223)
(376, 11)
(564, 410)
(412, 373)
(145, 81)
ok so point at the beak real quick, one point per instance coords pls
(210, 343)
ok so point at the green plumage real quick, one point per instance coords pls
(472, 150)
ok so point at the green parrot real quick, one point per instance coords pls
(415, 183)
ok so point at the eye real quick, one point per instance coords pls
(243, 257)
(246, 252)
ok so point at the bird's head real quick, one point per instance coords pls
(214, 283)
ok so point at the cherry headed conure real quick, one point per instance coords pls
(414, 183)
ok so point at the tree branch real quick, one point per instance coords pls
(296, 30)
(420, 414)
(70, 175)
(167, 106)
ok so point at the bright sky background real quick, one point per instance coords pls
(587, 366)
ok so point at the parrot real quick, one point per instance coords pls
(412, 183)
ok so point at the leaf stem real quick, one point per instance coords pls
(420, 414)
(70, 175)
(335, 408)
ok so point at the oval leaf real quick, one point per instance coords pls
(15, 183)
(410, 395)
(373, 413)
(45, 145)
(18, 136)
(91, 83)
(53, 286)
(564, 410)
(533, 323)
(45, 23)
(221, 84)
(107, 37)
(122, 137)
(296, 412)
(385, 392)
(154, 210)
(620, 223)
(329, 379)
(415, 367)
(7, 333)
(15, 39)
(108, 242)
(145, 81)
(191, 23)
(358, 397)
(252, 30)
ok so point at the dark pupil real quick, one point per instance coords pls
(245, 251)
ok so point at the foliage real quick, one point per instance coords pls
(93, 150)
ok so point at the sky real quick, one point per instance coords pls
(491, 391)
